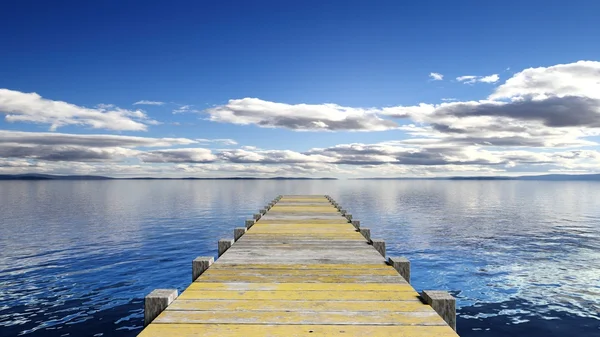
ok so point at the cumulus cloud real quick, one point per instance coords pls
(185, 109)
(145, 102)
(436, 76)
(192, 155)
(471, 79)
(223, 141)
(300, 117)
(89, 140)
(32, 108)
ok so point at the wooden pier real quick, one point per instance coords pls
(300, 267)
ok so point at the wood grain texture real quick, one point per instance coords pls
(301, 269)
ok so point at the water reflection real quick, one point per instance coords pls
(77, 256)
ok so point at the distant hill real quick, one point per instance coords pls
(34, 176)
(547, 177)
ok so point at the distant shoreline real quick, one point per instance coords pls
(547, 177)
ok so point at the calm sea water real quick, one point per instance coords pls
(77, 258)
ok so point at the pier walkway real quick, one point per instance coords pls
(302, 267)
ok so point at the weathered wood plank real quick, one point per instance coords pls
(295, 317)
(315, 295)
(302, 286)
(309, 306)
(255, 330)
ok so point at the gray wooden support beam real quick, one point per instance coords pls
(402, 266)
(443, 303)
(249, 223)
(224, 244)
(356, 224)
(238, 232)
(200, 265)
(157, 301)
(366, 232)
(379, 245)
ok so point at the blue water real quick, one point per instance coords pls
(77, 257)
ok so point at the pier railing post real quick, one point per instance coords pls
(379, 245)
(443, 303)
(356, 224)
(402, 266)
(366, 232)
(157, 301)
(238, 232)
(249, 223)
(224, 244)
(200, 265)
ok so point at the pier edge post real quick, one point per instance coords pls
(379, 245)
(349, 217)
(238, 232)
(443, 303)
(200, 265)
(402, 266)
(157, 301)
(366, 232)
(224, 244)
(249, 223)
(356, 224)
(256, 216)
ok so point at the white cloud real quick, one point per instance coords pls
(192, 155)
(145, 102)
(471, 79)
(32, 108)
(223, 141)
(299, 117)
(89, 140)
(436, 76)
(185, 109)
(581, 79)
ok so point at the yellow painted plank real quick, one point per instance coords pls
(255, 330)
(297, 209)
(290, 272)
(300, 279)
(341, 220)
(236, 266)
(350, 234)
(300, 230)
(300, 317)
(198, 286)
(280, 305)
(300, 295)
(301, 225)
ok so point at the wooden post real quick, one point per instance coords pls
(157, 301)
(402, 266)
(200, 265)
(263, 211)
(380, 246)
(356, 224)
(343, 211)
(224, 244)
(238, 232)
(349, 217)
(443, 303)
(256, 217)
(249, 223)
(366, 232)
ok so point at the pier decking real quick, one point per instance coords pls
(302, 267)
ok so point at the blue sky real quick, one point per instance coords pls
(210, 59)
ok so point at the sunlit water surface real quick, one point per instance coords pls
(77, 257)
